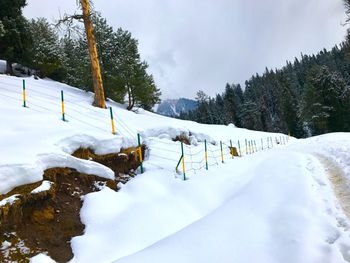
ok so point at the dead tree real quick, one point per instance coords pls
(99, 98)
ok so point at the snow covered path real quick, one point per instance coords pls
(287, 213)
(274, 206)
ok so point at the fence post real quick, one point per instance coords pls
(222, 153)
(24, 93)
(140, 152)
(206, 154)
(262, 144)
(256, 148)
(183, 161)
(246, 147)
(239, 147)
(271, 142)
(250, 148)
(62, 106)
(112, 120)
(231, 149)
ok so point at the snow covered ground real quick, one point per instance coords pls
(276, 205)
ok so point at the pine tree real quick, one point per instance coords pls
(16, 40)
(2, 29)
(46, 54)
(325, 101)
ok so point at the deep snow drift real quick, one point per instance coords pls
(276, 205)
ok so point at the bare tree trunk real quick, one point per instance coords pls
(9, 69)
(99, 99)
(130, 100)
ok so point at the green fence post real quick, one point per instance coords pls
(239, 147)
(62, 106)
(256, 149)
(206, 154)
(112, 120)
(222, 153)
(183, 161)
(24, 93)
(140, 151)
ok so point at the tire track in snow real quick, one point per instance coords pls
(339, 183)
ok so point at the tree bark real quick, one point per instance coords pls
(99, 99)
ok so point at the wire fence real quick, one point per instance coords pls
(74, 108)
(190, 159)
(185, 159)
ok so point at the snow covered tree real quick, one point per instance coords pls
(250, 115)
(2, 29)
(16, 40)
(76, 63)
(325, 101)
(46, 52)
(110, 49)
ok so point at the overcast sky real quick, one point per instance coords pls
(203, 44)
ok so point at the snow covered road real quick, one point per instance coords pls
(274, 206)
(287, 213)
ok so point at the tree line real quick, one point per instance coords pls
(62, 55)
(309, 96)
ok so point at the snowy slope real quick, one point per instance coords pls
(276, 205)
(285, 212)
(35, 138)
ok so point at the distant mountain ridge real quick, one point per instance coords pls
(173, 107)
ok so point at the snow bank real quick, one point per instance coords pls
(267, 216)
(27, 134)
(41, 258)
(15, 175)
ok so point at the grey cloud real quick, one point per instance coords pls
(202, 44)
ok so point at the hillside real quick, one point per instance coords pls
(281, 199)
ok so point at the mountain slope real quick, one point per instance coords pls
(173, 108)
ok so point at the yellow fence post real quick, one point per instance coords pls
(183, 161)
(112, 120)
(24, 94)
(206, 154)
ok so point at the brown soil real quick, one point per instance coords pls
(122, 163)
(46, 222)
(182, 138)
